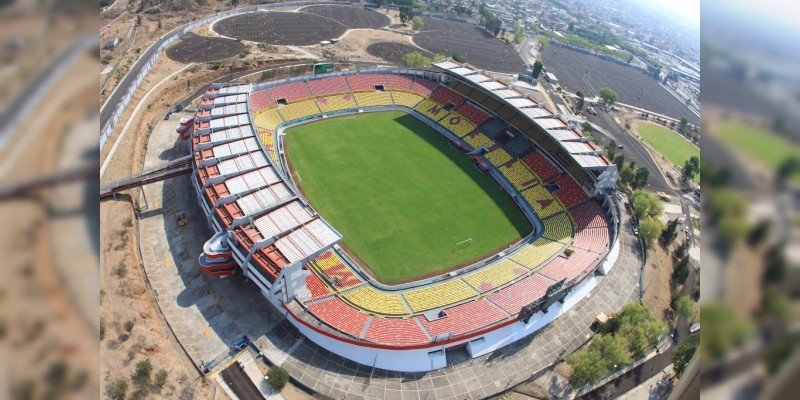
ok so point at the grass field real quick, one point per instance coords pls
(760, 145)
(399, 194)
(677, 149)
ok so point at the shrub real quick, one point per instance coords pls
(143, 370)
(128, 326)
(117, 389)
(161, 378)
(278, 377)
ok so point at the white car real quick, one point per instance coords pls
(591, 110)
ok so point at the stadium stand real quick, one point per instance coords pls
(439, 295)
(365, 82)
(339, 315)
(498, 157)
(377, 302)
(423, 87)
(569, 192)
(290, 91)
(593, 239)
(477, 139)
(336, 102)
(558, 227)
(493, 276)
(542, 201)
(569, 267)
(537, 252)
(399, 82)
(336, 272)
(514, 297)
(518, 174)
(463, 318)
(406, 99)
(472, 113)
(373, 99)
(589, 215)
(259, 101)
(457, 124)
(317, 288)
(301, 109)
(268, 140)
(431, 109)
(327, 86)
(269, 119)
(395, 331)
(444, 95)
(541, 165)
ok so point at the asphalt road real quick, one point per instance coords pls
(633, 150)
(240, 383)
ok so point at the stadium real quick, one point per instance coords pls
(394, 215)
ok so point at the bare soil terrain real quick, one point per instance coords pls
(634, 86)
(477, 46)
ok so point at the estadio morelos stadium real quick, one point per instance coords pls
(288, 231)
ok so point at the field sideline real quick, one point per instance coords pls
(400, 195)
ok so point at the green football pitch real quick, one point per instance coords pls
(677, 149)
(400, 195)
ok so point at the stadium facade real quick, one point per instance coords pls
(267, 230)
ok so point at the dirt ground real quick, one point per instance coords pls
(353, 45)
(41, 326)
(657, 281)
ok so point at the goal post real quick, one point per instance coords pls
(462, 244)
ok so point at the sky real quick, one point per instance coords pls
(689, 9)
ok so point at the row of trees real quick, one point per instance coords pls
(489, 21)
(647, 207)
(620, 340)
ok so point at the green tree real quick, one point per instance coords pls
(161, 378)
(416, 60)
(458, 57)
(646, 204)
(691, 167)
(684, 123)
(278, 377)
(626, 175)
(579, 94)
(608, 95)
(613, 350)
(587, 367)
(544, 41)
(640, 328)
(669, 234)
(586, 127)
(519, 33)
(417, 23)
(684, 353)
(681, 270)
(580, 103)
(683, 306)
(640, 180)
(406, 13)
(650, 228)
(537, 69)
(723, 329)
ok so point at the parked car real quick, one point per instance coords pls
(636, 231)
(591, 110)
